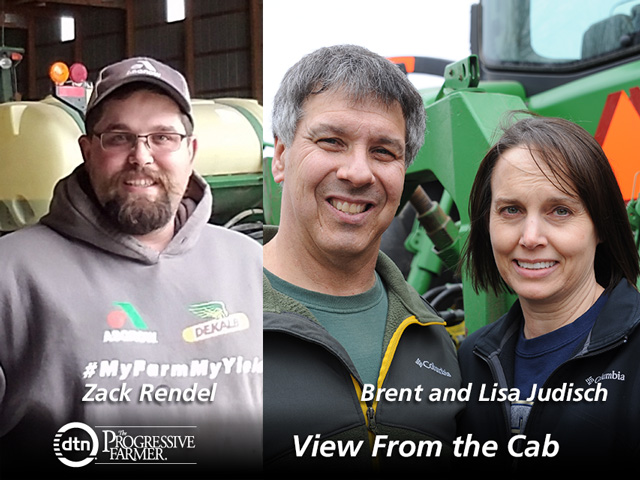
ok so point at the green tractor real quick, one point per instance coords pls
(39, 147)
(576, 59)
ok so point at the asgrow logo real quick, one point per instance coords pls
(76, 444)
(125, 311)
(123, 316)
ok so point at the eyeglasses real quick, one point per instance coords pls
(160, 142)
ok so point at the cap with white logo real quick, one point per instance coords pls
(141, 69)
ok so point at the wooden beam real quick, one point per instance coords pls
(78, 41)
(130, 29)
(189, 47)
(32, 72)
(13, 20)
(255, 31)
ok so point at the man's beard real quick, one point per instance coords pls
(138, 215)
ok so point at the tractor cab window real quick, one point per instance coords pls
(556, 35)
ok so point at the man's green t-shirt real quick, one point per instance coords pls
(357, 322)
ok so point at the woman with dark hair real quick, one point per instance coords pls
(561, 369)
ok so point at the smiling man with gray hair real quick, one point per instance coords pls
(338, 315)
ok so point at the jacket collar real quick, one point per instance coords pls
(618, 317)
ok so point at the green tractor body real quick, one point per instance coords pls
(563, 59)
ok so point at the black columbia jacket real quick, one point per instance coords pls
(601, 435)
(312, 391)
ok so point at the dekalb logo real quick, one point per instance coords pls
(125, 315)
(217, 322)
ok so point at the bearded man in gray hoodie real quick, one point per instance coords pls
(131, 328)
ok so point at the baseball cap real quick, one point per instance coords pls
(141, 69)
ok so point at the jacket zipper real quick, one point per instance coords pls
(493, 368)
(393, 344)
(370, 416)
(371, 419)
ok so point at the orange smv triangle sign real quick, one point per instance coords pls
(619, 136)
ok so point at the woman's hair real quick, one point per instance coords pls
(360, 74)
(578, 167)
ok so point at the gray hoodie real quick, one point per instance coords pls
(158, 353)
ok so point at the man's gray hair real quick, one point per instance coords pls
(360, 74)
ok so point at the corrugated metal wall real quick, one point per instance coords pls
(101, 37)
(218, 47)
(222, 47)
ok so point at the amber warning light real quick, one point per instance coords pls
(59, 73)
